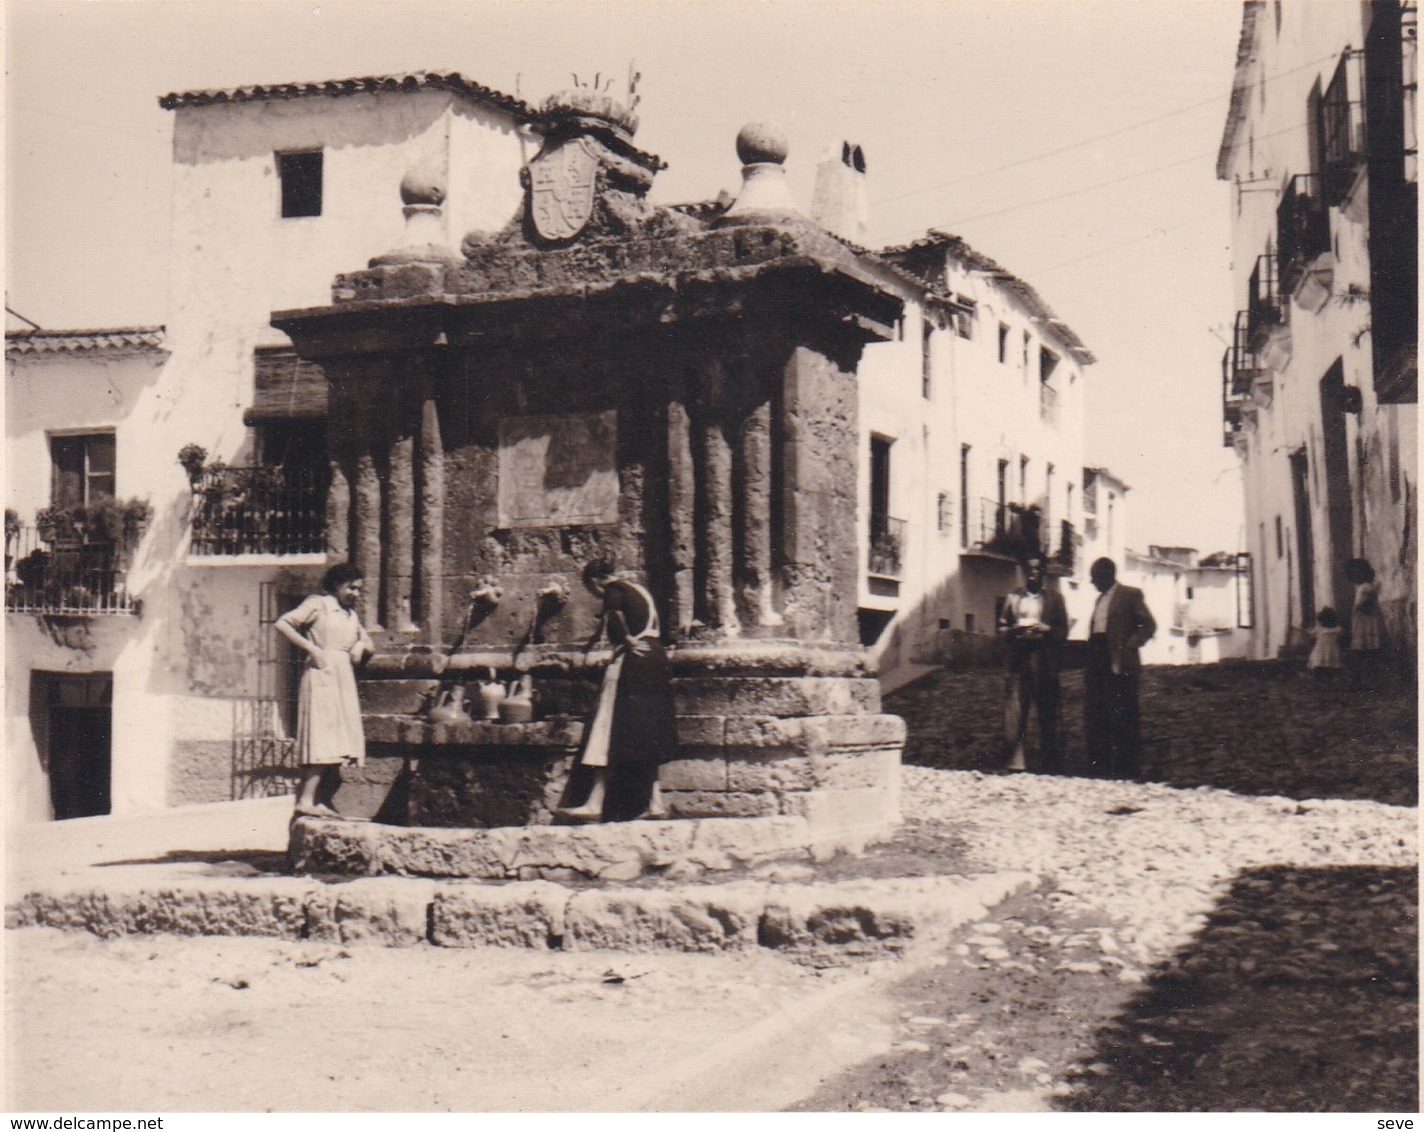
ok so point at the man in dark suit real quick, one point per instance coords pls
(1121, 624)
(1034, 622)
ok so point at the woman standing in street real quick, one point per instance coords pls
(1366, 625)
(328, 629)
(634, 729)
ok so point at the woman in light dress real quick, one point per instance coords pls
(328, 629)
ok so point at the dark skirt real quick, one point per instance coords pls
(642, 736)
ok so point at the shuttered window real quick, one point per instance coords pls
(286, 388)
(82, 468)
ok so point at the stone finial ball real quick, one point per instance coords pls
(422, 185)
(761, 142)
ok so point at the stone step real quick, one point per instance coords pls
(832, 922)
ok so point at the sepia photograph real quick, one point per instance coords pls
(710, 556)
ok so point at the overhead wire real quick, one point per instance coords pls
(1091, 188)
(1097, 137)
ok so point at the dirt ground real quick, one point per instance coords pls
(248, 1025)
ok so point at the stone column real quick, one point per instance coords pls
(338, 510)
(818, 439)
(715, 554)
(432, 519)
(755, 536)
(681, 495)
(366, 538)
(400, 531)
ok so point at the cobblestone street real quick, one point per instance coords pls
(1239, 934)
(1248, 727)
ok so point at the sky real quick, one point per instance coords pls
(1073, 141)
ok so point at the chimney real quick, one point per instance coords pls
(839, 203)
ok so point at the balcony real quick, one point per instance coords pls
(1008, 530)
(1048, 404)
(1302, 230)
(64, 572)
(1070, 549)
(887, 547)
(1341, 129)
(260, 510)
(1232, 402)
(1264, 308)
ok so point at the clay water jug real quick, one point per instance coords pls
(492, 694)
(518, 706)
(450, 707)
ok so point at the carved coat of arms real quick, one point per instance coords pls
(561, 188)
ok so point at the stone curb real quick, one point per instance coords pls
(845, 920)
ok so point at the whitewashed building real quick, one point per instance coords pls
(146, 675)
(1320, 381)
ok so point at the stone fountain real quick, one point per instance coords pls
(671, 388)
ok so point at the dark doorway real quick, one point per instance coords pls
(1336, 466)
(77, 728)
(1305, 545)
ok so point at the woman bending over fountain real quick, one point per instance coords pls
(634, 728)
(327, 628)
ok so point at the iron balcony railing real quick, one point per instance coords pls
(1006, 528)
(1263, 302)
(63, 575)
(1341, 129)
(1048, 403)
(1231, 401)
(1302, 230)
(1245, 365)
(887, 547)
(261, 510)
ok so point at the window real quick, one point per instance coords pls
(1023, 479)
(969, 622)
(964, 494)
(1000, 515)
(927, 359)
(1023, 361)
(1280, 538)
(946, 511)
(964, 320)
(82, 468)
(300, 177)
(879, 485)
(1003, 344)
(1047, 363)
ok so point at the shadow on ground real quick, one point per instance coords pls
(1253, 727)
(1299, 995)
(243, 861)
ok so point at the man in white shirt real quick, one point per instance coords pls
(1121, 624)
(1034, 622)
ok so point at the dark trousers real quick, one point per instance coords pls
(1032, 684)
(1110, 720)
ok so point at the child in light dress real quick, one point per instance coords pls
(1325, 658)
(328, 629)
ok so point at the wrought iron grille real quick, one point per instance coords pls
(1302, 229)
(63, 575)
(1341, 131)
(260, 510)
(1263, 303)
(887, 547)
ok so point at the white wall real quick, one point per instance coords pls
(994, 407)
(1333, 324)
